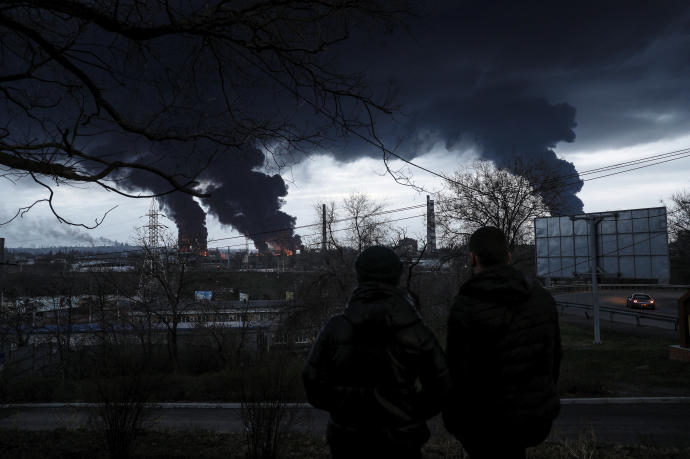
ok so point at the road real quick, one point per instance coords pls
(666, 305)
(666, 300)
(659, 421)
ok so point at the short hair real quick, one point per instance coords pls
(489, 245)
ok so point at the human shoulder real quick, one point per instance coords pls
(336, 327)
(540, 293)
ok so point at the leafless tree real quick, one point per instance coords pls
(90, 91)
(366, 225)
(163, 290)
(267, 388)
(356, 224)
(679, 216)
(16, 320)
(679, 230)
(484, 195)
(124, 385)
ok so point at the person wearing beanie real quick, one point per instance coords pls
(377, 368)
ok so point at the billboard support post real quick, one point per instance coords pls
(629, 244)
(595, 287)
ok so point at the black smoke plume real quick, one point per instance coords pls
(515, 131)
(241, 196)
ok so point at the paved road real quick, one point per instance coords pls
(667, 305)
(663, 422)
(666, 300)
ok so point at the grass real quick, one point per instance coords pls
(203, 444)
(627, 363)
(630, 362)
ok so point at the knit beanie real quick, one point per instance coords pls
(378, 264)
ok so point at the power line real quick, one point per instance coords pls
(286, 238)
(673, 155)
(668, 158)
(653, 160)
(383, 212)
(644, 159)
(636, 168)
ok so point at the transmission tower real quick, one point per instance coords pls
(152, 232)
(152, 238)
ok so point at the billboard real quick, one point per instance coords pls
(203, 295)
(630, 244)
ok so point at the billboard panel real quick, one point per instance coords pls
(203, 295)
(630, 244)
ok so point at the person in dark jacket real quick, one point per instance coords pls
(503, 353)
(376, 368)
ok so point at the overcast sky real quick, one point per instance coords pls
(587, 84)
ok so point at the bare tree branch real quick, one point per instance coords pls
(208, 78)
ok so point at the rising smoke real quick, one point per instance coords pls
(515, 131)
(39, 230)
(241, 196)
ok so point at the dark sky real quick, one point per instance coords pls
(506, 78)
(518, 78)
(526, 75)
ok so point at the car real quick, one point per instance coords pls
(640, 300)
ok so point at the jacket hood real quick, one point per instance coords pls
(374, 304)
(501, 283)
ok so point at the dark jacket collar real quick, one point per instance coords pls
(380, 305)
(500, 283)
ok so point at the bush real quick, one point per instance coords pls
(267, 387)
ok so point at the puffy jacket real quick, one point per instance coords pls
(504, 353)
(377, 367)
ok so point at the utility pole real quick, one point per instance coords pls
(595, 286)
(2, 271)
(593, 221)
(3, 263)
(323, 228)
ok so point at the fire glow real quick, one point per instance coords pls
(279, 250)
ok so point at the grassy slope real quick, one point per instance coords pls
(629, 362)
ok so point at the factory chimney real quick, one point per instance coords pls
(323, 228)
(430, 226)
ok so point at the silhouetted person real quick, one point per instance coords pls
(376, 368)
(503, 353)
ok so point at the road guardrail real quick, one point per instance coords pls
(638, 315)
(630, 287)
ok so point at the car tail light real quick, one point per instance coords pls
(634, 301)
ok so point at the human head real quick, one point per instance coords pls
(378, 264)
(488, 247)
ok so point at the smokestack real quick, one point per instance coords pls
(430, 226)
(2, 251)
(323, 228)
